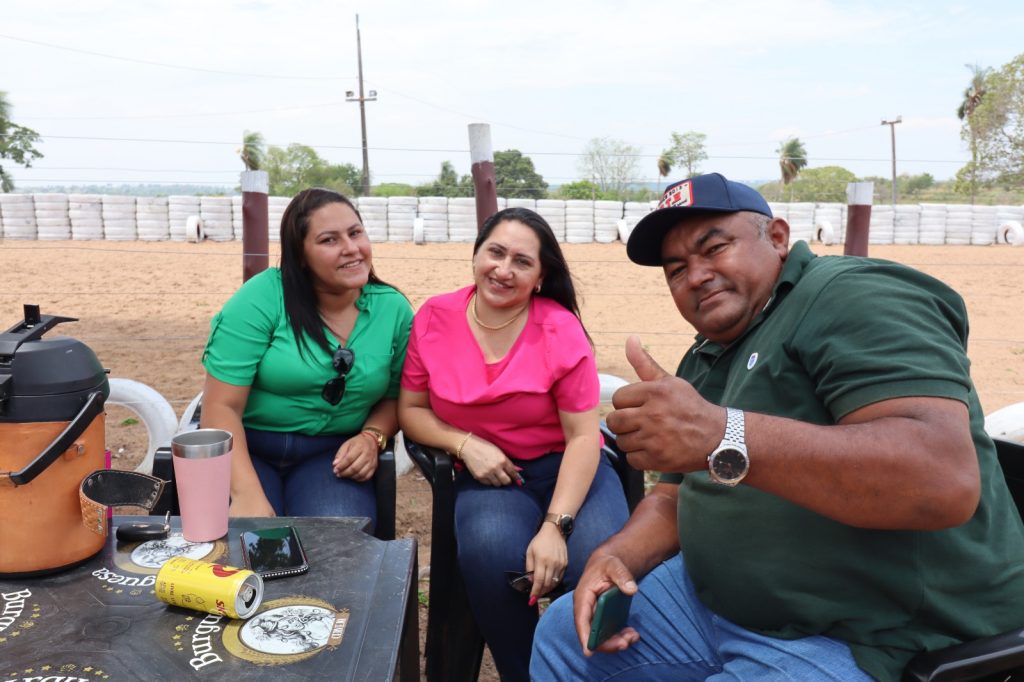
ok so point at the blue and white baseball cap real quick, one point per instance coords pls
(711, 193)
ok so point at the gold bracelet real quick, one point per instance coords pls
(458, 450)
(378, 436)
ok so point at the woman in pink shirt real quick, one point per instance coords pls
(502, 375)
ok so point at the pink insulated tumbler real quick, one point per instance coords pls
(202, 473)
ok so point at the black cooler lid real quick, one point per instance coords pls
(45, 380)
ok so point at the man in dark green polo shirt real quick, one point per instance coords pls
(830, 504)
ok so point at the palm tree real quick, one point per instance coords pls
(792, 159)
(252, 150)
(664, 166)
(973, 94)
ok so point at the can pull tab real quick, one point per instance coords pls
(140, 532)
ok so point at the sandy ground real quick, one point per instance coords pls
(144, 308)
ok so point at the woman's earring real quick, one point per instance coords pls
(536, 289)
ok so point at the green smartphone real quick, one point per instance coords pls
(610, 616)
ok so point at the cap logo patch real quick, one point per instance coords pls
(680, 195)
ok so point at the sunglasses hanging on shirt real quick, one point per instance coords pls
(342, 361)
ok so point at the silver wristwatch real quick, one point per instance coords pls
(728, 464)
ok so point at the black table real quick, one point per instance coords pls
(353, 616)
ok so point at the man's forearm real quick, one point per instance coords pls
(650, 536)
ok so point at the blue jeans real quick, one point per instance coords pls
(680, 639)
(494, 526)
(298, 479)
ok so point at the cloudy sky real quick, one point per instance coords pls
(161, 91)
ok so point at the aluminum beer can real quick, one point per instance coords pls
(213, 588)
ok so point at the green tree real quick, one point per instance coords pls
(393, 189)
(297, 167)
(610, 164)
(15, 144)
(252, 151)
(516, 177)
(447, 184)
(792, 159)
(687, 150)
(914, 185)
(974, 93)
(998, 121)
(824, 184)
(581, 189)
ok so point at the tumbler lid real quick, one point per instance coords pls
(201, 443)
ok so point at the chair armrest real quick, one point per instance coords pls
(970, 660)
(385, 487)
(433, 462)
(632, 479)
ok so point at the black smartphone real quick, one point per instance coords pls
(610, 616)
(274, 552)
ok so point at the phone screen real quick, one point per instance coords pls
(274, 552)
(610, 616)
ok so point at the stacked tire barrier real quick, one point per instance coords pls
(152, 218)
(553, 211)
(53, 216)
(17, 216)
(179, 210)
(275, 211)
(119, 222)
(607, 215)
(434, 213)
(52, 219)
(399, 215)
(462, 219)
(86, 214)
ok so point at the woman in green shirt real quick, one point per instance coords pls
(303, 365)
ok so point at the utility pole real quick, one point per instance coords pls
(350, 97)
(892, 129)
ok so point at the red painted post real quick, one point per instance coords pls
(255, 234)
(858, 217)
(484, 183)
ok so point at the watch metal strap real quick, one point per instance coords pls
(734, 426)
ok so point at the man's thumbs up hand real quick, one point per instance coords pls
(661, 421)
(643, 364)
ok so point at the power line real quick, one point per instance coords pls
(433, 150)
(192, 115)
(170, 66)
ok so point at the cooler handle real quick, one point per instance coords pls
(93, 407)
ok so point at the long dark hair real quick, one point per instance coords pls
(557, 281)
(299, 294)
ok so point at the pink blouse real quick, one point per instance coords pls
(513, 403)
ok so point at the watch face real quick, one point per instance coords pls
(566, 524)
(729, 464)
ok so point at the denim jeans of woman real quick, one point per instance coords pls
(680, 640)
(494, 526)
(297, 475)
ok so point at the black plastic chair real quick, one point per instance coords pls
(454, 646)
(999, 657)
(384, 483)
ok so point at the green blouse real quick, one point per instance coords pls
(252, 344)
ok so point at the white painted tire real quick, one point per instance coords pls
(1011, 232)
(194, 231)
(156, 413)
(185, 423)
(1007, 422)
(609, 384)
(825, 233)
